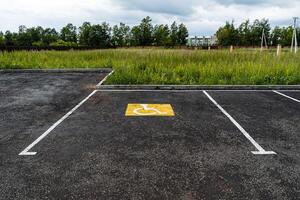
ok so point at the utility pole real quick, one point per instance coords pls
(294, 39)
(263, 40)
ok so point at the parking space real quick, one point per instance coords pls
(271, 119)
(29, 104)
(147, 144)
(292, 95)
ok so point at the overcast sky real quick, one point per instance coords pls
(202, 17)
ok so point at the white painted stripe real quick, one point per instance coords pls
(286, 96)
(263, 152)
(160, 90)
(245, 133)
(26, 151)
(103, 80)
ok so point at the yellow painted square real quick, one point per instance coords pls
(149, 110)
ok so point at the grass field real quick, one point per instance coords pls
(163, 66)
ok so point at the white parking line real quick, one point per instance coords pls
(260, 150)
(27, 152)
(286, 96)
(103, 80)
(176, 90)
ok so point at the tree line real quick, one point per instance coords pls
(249, 34)
(100, 35)
(145, 34)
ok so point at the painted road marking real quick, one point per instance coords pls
(149, 110)
(103, 80)
(177, 91)
(286, 96)
(27, 152)
(260, 150)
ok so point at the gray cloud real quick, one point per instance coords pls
(200, 16)
(243, 2)
(175, 7)
(257, 2)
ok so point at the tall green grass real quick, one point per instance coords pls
(163, 66)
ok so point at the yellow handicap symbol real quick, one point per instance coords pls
(149, 110)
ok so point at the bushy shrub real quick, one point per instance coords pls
(61, 43)
(38, 44)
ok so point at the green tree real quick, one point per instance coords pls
(244, 33)
(95, 35)
(257, 29)
(135, 35)
(144, 34)
(1, 38)
(24, 38)
(116, 36)
(69, 33)
(106, 34)
(174, 34)
(99, 35)
(161, 35)
(227, 35)
(286, 35)
(275, 38)
(28, 36)
(182, 34)
(121, 35)
(10, 39)
(125, 30)
(49, 36)
(84, 32)
(146, 29)
(35, 34)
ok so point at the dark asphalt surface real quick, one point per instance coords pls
(98, 153)
(29, 104)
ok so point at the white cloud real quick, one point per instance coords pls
(201, 17)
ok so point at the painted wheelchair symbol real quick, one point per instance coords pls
(153, 111)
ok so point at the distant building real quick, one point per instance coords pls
(197, 41)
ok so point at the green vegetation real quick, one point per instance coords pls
(247, 34)
(99, 35)
(161, 66)
(145, 34)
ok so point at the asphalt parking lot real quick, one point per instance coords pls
(218, 144)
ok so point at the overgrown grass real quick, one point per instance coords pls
(162, 66)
